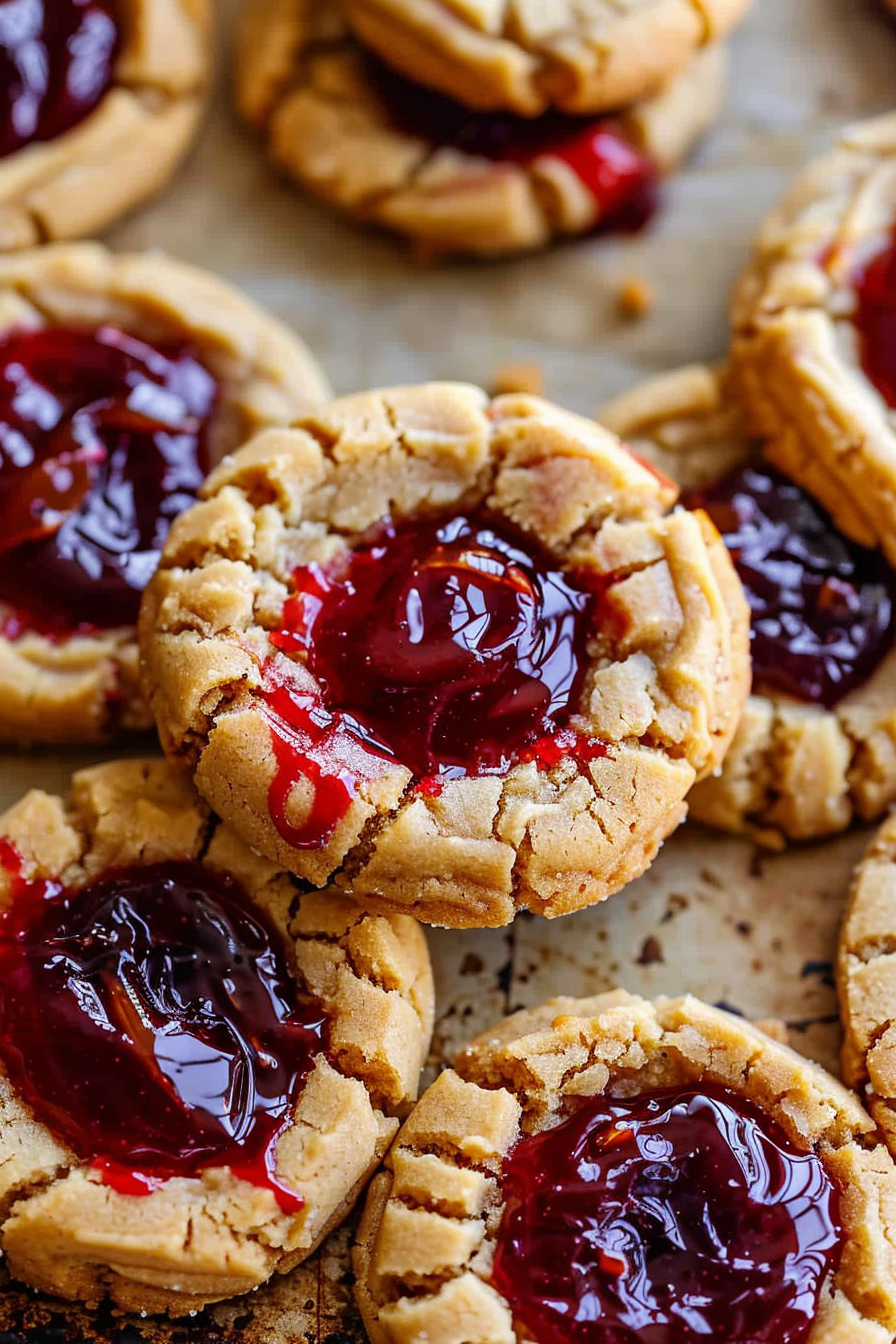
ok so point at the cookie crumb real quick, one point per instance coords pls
(528, 378)
(635, 298)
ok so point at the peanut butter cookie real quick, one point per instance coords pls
(390, 152)
(122, 379)
(813, 357)
(455, 653)
(578, 57)
(816, 744)
(101, 100)
(866, 983)
(199, 1067)
(612, 1168)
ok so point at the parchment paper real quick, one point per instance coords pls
(713, 916)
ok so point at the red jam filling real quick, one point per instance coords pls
(622, 180)
(150, 1021)
(444, 645)
(875, 320)
(823, 609)
(672, 1219)
(102, 444)
(56, 59)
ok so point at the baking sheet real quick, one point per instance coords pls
(751, 931)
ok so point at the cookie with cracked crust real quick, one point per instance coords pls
(122, 380)
(866, 983)
(390, 152)
(200, 1066)
(812, 355)
(573, 57)
(102, 99)
(455, 654)
(815, 748)
(598, 1168)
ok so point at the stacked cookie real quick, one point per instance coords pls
(483, 129)
(791, 448)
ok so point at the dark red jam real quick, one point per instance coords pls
(672, 1219)
(622, 180)
(56, 59)
(102, 444)
(875, 320)
(444, 645)
(151, 1022)
(823, 609)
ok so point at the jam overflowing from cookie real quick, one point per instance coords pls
(875, 321)
(444, 645)
(56, 62)
(622, 180)
(823, 609)
(674, 1218)
(103, 442)
(149, 1020)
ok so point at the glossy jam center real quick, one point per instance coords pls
(875, 320)
(622, 180)
(56, 59)
(443, 645)
(673, 1219)
(102, 444)
(453, 645)
(823, 609)
(150, 1021)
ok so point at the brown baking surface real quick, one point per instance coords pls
(752, 931)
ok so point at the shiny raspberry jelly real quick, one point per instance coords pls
(150, 1022)
(669, 1219)
(102, 444)
(445, 645)
(875, 320)
(823, 609)
(622, 180)
(56, 62)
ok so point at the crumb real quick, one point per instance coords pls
(635, 298)
(651, 952)
(527, 378)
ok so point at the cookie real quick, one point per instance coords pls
(122, 379)
(200, 1066)
(865, 980)
(816, 744)
(662, 1168)
(812, 355)
(572, 57)
(453, 653)
(102, 99)
(394, 154)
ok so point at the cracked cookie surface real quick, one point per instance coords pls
(795, 770)
(810, 354)
(86, 687)
(199, 1238)
(356, 135)
(426, 1252)
(557, 825)
(77, 182)
(577, 57)
(866, 983)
